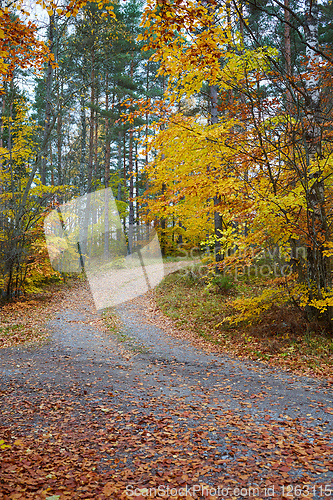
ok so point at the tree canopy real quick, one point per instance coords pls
(210, 120)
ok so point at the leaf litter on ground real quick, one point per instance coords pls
(92, 442)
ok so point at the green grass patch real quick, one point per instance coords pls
(7, 331)
(115, 326)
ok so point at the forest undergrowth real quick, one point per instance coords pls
(281, 336)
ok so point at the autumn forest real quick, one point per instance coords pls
(210, 121)
(166, 249)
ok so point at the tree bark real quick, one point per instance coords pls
(2, 107)
(85, 235)
(119, 166)
(131, 193)
(91, 123)
(287, 53)
(83, 134)
(137, 194)
(59, 136)
(217, 199)
(106, 170)
(318, 266)
(107, 136)
(48, 108)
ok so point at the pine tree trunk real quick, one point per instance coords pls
(137, 194)
(287, 52)
(83, 135)
(2, 108)
(119, 183)
(119, 166)
(48, 88)
(96, 170)
(106, 170)
(124, 172)
(51, 165)
(59, 136)
(107, 138)
(91, 124)
(85, 235)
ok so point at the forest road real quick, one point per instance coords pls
(172, 406)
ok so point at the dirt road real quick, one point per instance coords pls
(97, 415)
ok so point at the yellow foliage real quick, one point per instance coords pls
(20, 233)
(250, 309)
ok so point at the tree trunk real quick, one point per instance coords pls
(85, 234)
(287, 52)
(2, 107)
(137, 194)
(318, 268)
(217, 199)
(131, 193)
(83, 134)
(59, 135)
(106, 170)
(119, 183)
(96, 170)
(107, 138)
(124, 172)
(48, 109)
(119, 166)
(91, 123)
(51, 165)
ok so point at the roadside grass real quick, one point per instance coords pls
(281, 337)
(114, 326)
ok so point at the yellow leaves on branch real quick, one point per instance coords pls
(249, 309)
(186, 152)
(195, 45)
(253, 166)
(324, 302)
(328, 249)
(194, 162)
(23, 131)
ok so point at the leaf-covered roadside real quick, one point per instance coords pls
(281, 338)
(23, 320)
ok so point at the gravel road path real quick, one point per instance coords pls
(260, 426)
